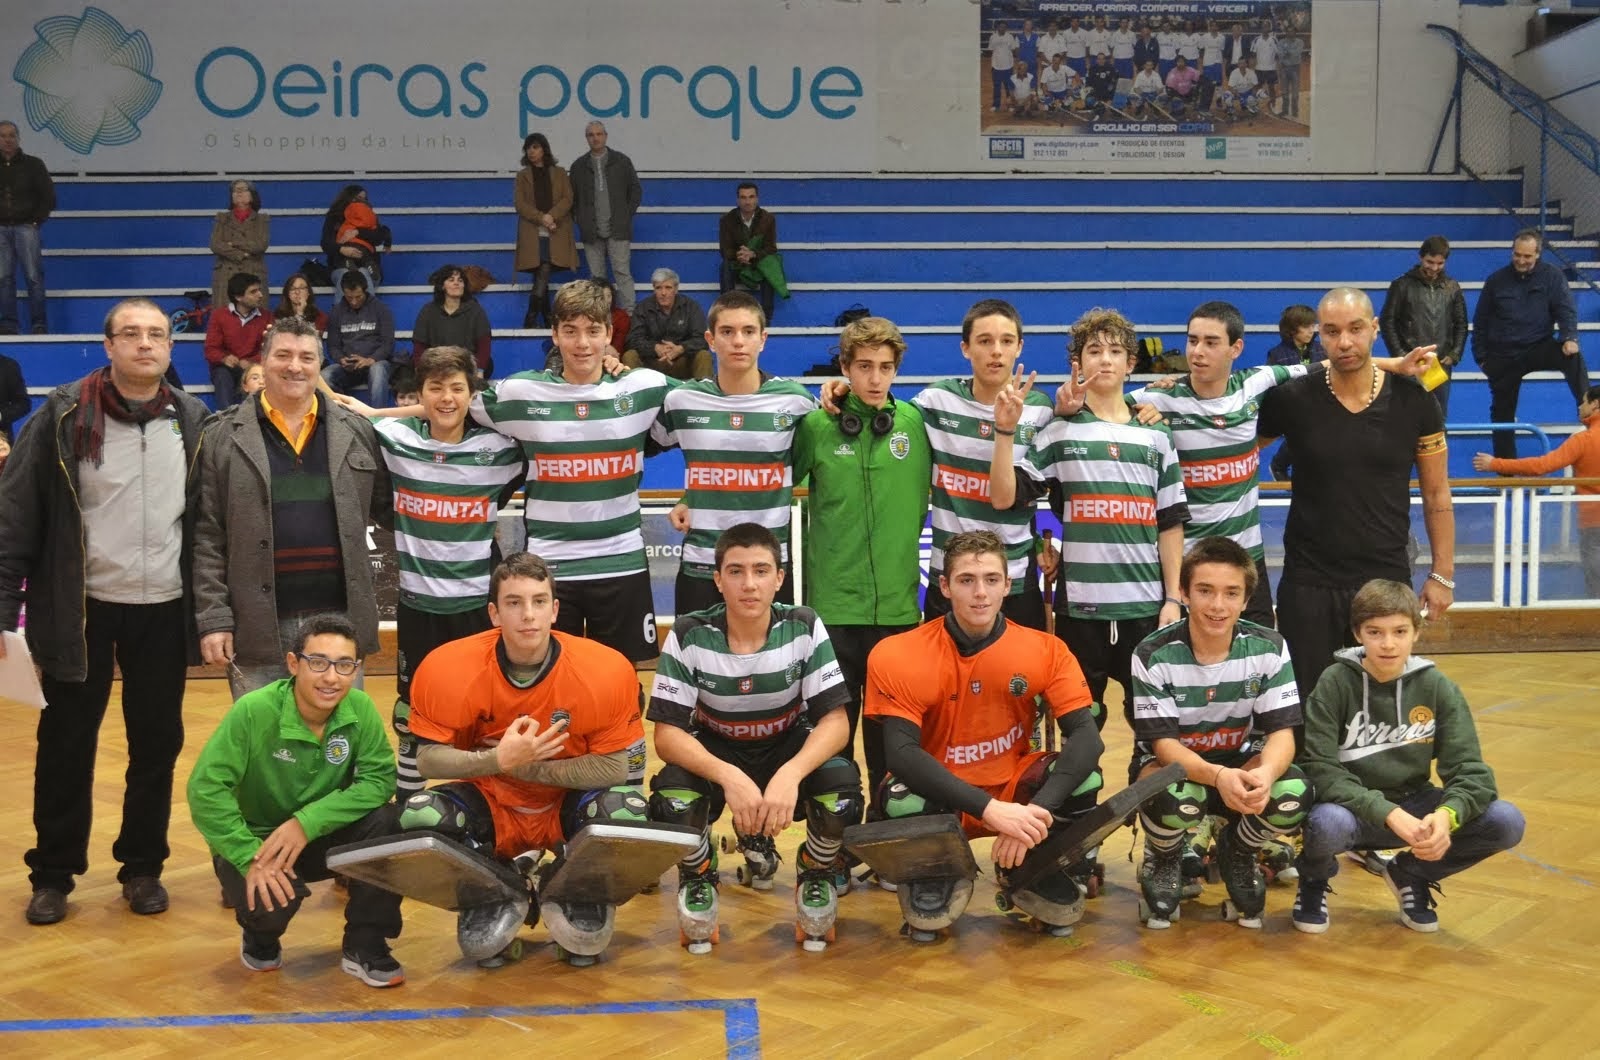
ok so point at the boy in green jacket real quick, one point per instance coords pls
(294, 769)
(1376, 722)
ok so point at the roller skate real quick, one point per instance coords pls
(1277, 861)
(1241, 873)
(581, 930)
(816, 902)
(1160, 887)
(931, 905)
(1052, 906)
(1199, 857)
(1089, 874)
(527, 864)
(698, 930)
(761, 860)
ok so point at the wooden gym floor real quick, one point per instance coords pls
(1512, 970)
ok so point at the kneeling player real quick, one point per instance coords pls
(1216, 695)
(533, 728)
(1376, 722)
(958, 697)
(747, 707)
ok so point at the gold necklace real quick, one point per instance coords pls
(1377, 378)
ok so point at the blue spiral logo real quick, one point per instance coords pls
(87, 80)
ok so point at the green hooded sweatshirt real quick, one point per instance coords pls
(1371, 743)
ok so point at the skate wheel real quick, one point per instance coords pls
(814, 945)
(1092, 885)
(918, 935)
(699, 949)
(1058, 931)
(579, 960)
(728, 844)
(1191, 888)
(1289, 875)
(761, 883)
(1002, 901)
(742, 874)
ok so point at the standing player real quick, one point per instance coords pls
(868, 470)
(1122, 39)
(957, 698)
(1167, 43)
(1076, 42)
(1217, 696)
(533, 729)
(1099, 40)
(450, 478)
(736, 432)
(1210, 43)
(1002, 57)
(746, 711)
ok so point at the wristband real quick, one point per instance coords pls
(1442, 580)
(1455, 818)
(1174, 600)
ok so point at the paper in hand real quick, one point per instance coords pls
(19, 681)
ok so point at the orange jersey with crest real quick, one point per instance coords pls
(975, 711)
(460, 697)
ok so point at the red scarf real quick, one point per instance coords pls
(97, 399)
(242, 215)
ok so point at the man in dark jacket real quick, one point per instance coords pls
(668, 332)
(14, 400)
(97, 511)
(360, 342)
(288, 482)
(1425, 307)
(27, 198)
(605, 196)
(745, 235)
(1518, 308)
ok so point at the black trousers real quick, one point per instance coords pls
(1104, 650)
(148, 642)
(1506, 369)
(371, 915)
(851, 646)
(1258, 608)
(1315, 621)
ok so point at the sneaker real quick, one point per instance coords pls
(1310, 912)
(1415, 897)
(377, 968)
(145, 895)
(260, 957)
(47, 906)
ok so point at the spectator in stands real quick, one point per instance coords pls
(360, 342)
(255, 381)
(1425, 307)
(1358, 433)
(453, 318)
(97, 512)
(668, 332)
(347, 244)
(299, 301)
(747, 237)
(543, 200)
(1518, 308)
(5, 452)
(239, 239)
(1300, 344)
(27, 198)
(1002, 60)
(271, 550)
(605, 196)
(14, 400)
(1581, 452)
(233, 337)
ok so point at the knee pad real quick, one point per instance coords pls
(442, 810)
(1288, 801)
(622, 804)
(681, 798)
(1177, 808)
(896, 800)
(832, 798)
(401, 719)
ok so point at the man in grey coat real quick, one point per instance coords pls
(97, 512)
(288, 482)
(605, 196)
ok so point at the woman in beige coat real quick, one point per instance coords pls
(239, 239)
(544, 224)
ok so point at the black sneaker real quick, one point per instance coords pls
(47, 906)
(145, 895)
(375, 968)
(260, 956)
(1310, 912)
(1415, 897)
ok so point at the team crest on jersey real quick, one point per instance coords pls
(1211, 693)
(782, 421)
(1113, 450)
(1251, 408)
(791, 673)
(1219, 421)
(736, 421)
(977, 688)
(439, 458)
(899, 445)
(1025, 433)
(1252, 685)
(560, 717)
(1018, 685)
(338, 750)
(483, 457)
(177, 428)
(583, 410)
(746, 684)
(985, 428)
(623, 404)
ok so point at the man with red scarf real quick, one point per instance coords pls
(96, 522)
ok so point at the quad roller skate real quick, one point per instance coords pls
(1160, 887)
(1241, 873)
(761, 860)
(816, 903)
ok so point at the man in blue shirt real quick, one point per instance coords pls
(1519, 306)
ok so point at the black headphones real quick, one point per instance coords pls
(882, 421)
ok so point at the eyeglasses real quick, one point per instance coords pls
(133, 334)
(319, 664)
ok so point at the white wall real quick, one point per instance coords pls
(1556, 68)
(1380, 82)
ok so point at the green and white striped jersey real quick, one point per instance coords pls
(585, 448)
(738, 466)
(1121, 482)
(701, 685)
(1216, 440)
(447, 498)
(961, 435)
(1213, 710)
